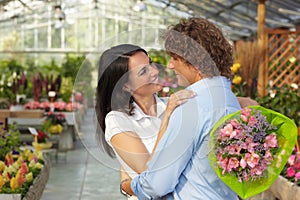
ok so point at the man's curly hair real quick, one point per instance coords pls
(201, 44)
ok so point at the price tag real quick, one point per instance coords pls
(32, 131)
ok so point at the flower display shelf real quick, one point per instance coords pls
(27, 114)
(283, 189)
(36, 189)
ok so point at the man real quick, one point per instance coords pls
(179, 169)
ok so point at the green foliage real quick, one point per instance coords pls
(71, 66)
(159, 56)
(10, 140)
(284, 100)
(66, 89)
(8, 68)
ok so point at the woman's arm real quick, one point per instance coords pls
(129, 145)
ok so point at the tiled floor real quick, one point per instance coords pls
(78, 175)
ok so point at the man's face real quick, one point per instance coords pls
(186, 75)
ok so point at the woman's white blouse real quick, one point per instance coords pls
(145, 126)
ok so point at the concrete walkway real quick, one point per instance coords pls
(81, 174)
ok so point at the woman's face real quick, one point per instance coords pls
(143, 76)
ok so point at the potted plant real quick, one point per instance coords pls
(42, 141)
(287, 186)
(54, 123)
(286, 100)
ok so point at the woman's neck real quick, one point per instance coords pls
(147, 104)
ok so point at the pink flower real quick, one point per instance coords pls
(60, 105)
(223, 163)
(257, 170)
(252, 121)
(235, 123)
(244, 118)
(290, 172)
(297, 176)
(227, 130)
(246, 112)
(233, 163)
(250, 145)
(271, 141)
(252, 159)
(291, 159)
(268, 156)
(233, 149)
(243, 163)
(44, 105)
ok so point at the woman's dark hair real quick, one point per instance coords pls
(200, 43)
(112, 75)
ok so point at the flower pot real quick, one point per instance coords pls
(55, 129)
(43, 145)
(283, 189)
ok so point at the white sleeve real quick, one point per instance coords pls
(115, 123)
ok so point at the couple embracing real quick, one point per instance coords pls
(162, 143)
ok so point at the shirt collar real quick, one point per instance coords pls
(138, 113)
(209, 82)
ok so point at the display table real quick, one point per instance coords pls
(64, 140)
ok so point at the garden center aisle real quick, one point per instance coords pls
(79, 176)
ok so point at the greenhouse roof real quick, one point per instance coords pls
(237, 17)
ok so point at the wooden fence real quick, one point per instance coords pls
(282, 59)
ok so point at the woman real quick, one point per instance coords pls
(128, 109)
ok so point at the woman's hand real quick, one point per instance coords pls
(178, 98)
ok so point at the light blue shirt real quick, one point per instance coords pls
(180, 168)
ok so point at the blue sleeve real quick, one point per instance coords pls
(172, 155)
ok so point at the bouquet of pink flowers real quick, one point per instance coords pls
(249, 148)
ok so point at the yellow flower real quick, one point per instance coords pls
(14, 183)
(2, 182)
(6, 174)
(29, 176)
(32, 163)
(2, 166)
(31, 156)
(40, 155)
(237, 80)
(59, 128)
(235, 67)
(39, 165)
